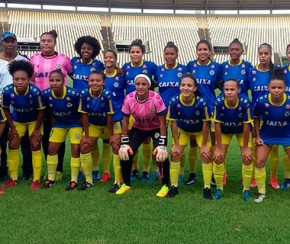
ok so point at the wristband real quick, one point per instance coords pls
(162, 141)
(125, 139)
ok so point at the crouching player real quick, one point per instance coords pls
(25, 99)
(232, 117)
(149, 112)
(189, 117)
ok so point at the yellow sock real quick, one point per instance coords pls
(218, 172)
(13, 163)
(135, 161)
(87, 165)
(117, 168)
(225, 164)
(192, 159)
(254, 155)
(182, 163)
(37, 164)
(174, 173)
(75, 164)
(147, 155)
(286, 164)
(247, 172)
(52, 161)
(95, 156)
(207, 174)
(260, 175)
(274, 161)
(106, 157)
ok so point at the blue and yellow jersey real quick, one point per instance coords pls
(232, 119)
(2, 116)
(275, 128)
(238, 72)
(286, 69)
(169, 81)
(116, 85)
(189, 117)
(81, 72)
(97, 108)
(207, 77)
(25, 107)
(147, 67)
(65, 109)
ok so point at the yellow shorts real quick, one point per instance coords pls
(286, 148)
(58, 135)
(117, 128)
(226, 139)
(184, 138)
(21, 128)
(131, 121)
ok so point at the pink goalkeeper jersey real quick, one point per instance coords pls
(44, 65)
(145, 114)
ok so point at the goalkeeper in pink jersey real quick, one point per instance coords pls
(149, 112)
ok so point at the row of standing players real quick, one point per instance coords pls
(207, 73)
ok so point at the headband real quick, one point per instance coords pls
(143, 76)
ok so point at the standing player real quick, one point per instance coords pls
(232, 117)
(25, 99)
(273, 110)
(189, 117)
(149, 113)
(62, 103)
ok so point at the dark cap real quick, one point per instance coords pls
(8, 34)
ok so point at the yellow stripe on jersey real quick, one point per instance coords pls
(111, 107)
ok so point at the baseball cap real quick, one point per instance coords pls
(8, 34)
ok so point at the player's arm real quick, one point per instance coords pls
(174, 131)
(259, 140)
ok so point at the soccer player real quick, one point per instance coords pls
(62, 103)
(273, 110)
(97, 114)
(149, 112)
(189, 117)
(232, 117)
(136, 66)
(25, 99)
(44, 62)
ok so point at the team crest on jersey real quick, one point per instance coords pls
(58, 66)
(69, 105)
(116, 84)
(77, 136)
(103, 105)
(222, 115)
(243, 72)
(179, 74)
(144, 72)
(197, 113)
(212, 72)
(240, 115)
(151, 111)
(287, 114)
(31, 101)
(92, 69)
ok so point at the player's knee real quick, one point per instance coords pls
(175, 157)
(14, 143)
(52, 150)
(85, 148)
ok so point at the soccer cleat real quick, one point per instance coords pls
(134, 175)
(173, 191)
(72, 185)
(105, 177)
(48, 184)
(1, 192)
(80, 176)
(246, 195)
(35, 185)
(213, 184)
(260, 197)
(225, 179)
(191, 179)
(58, 175)
(154, 176)
(180, 180)
(274, 183)
(286, 185)
(114, 188)
(218, 194)
(253, 183)
(145, 177)
(85, 185)
(163, 191)
(96, 175)
(123, 189)
(207, 193)
(10, 183)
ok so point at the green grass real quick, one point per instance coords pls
(95, 216)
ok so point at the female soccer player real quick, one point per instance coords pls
(136, 66)
(62, 102)
(149, 112)
(273, 110)
(232, 117)
(189, 117)
(25, 99)
(44, 62)
(97, 112)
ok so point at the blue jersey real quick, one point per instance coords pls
(147, 67)
(64, 110)
(232, 119)
(275, 128)
(169, 81)
(96, 108)
(81, 72)
(116, 85)
(188, 117)
(25, 107)
(207, 77)
(286, 69)
(239, 72)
